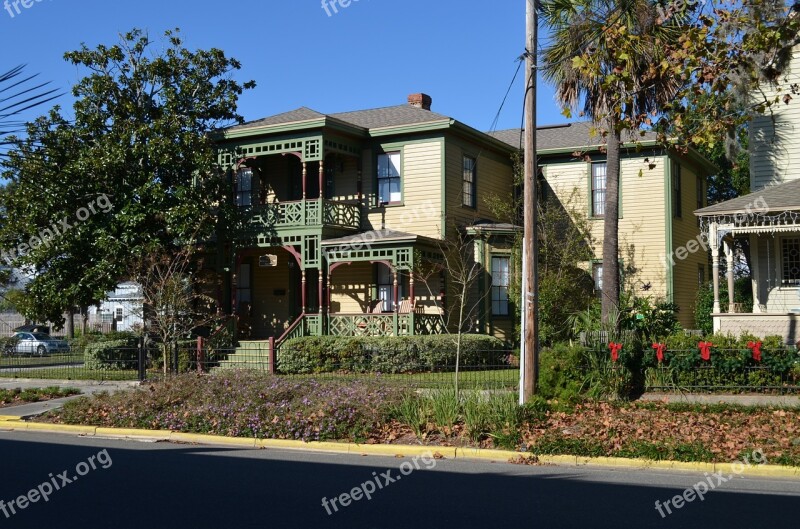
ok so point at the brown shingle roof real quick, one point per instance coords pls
(576, 135)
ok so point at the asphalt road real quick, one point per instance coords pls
(158, 485)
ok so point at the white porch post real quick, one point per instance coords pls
(712, 236)
(729, 270)
(756, 272)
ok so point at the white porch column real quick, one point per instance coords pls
(729, 269)
(756, 271)
(712, 236)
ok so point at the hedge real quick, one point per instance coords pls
(112, 355)
(404, 354)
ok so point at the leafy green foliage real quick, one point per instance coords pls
(111, 355)
(704, 306)
(140, 143)
(325, 354)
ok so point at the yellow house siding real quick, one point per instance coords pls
(421, 172)
(642, 227)
(687, 262)
(351, 288)
(494, 178)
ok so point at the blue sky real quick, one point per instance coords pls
(371, 54)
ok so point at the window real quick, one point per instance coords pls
(500, 281)
(597, 275)
(469, 191)
(243, 289)
(676, 190)
(246, 187)
(791, 261)
(599, 189)
(701, 275)
(389, 179)
(385, 282)
(106, 317)
(118, 314)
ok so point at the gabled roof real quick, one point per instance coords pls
(395, 116)
(576, 136)
(375, 118)
(295, 116)
(782, 197)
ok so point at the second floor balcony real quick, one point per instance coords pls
(318, 212)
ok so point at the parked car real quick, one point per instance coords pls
(37, 343)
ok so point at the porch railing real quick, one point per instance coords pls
(392, 324)
(302, 213)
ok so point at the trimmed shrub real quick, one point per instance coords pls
(404, 354)
(114, 355)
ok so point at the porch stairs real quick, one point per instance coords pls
(248, 355)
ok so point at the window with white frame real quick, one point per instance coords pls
(118, 314)
(500, 283)
(469, 187)
(599, 172)
(389, 178)
(597, 275)
(790, 254)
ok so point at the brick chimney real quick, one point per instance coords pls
(422, 101)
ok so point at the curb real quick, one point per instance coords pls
(9, 423)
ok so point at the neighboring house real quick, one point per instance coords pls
(658, 192)
(338, 210)
(122, 309)
(769, 218)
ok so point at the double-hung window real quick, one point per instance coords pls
(389, 179)
(599, 189)
(500, 283)
(469, 187)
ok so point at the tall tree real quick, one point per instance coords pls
(132, 174)
(600, 59)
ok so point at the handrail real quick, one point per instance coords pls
(290, 329)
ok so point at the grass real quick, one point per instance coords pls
(69, 373)
(27, 361)
(13, 397)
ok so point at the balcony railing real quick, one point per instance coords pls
(305, 213)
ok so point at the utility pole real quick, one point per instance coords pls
(529, 364)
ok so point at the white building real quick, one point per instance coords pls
(122, 307)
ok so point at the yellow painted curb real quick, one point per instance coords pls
(211, 439)
(776, 471)
(133, 432)
(55, 428)
(8, 418)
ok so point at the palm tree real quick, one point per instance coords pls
(18, 94)
(606, 57)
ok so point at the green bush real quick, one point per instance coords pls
(115, 355)
(404, 354)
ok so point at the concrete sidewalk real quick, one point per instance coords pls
(87, 387)
(741, 400)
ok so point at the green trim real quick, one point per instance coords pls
(317, 123)
(669, 228)
(443, 192)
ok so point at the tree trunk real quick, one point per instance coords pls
(71, 323)
(610, 292)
